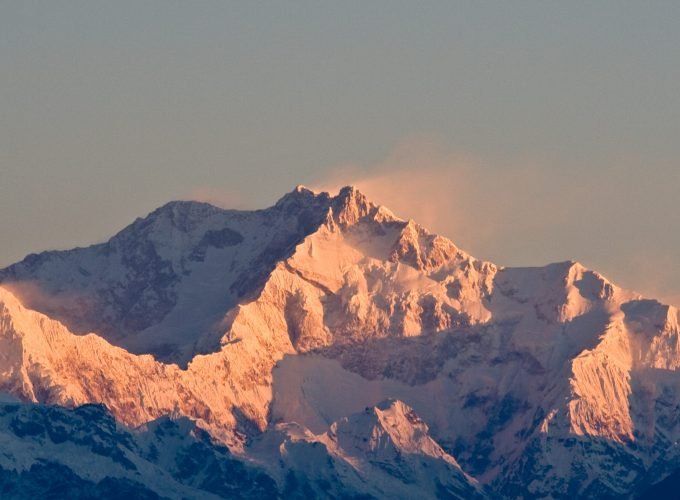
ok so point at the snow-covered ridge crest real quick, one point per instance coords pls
(241, 319)
(163, 284)
(267, 324)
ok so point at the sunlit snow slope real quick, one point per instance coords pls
(280, 331)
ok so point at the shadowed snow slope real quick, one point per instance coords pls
(545, 381)
(51, 452)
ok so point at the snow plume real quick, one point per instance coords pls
(419, 181)
(517, 213)
(31, 295)
(452, 194)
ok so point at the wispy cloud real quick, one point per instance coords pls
(451, 193)
(417, 180)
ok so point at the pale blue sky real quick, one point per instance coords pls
(566, 114)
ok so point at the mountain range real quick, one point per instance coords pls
(324, 347)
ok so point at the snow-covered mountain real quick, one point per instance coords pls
(53, 452)
(338, 350)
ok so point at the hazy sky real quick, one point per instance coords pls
(528, 132)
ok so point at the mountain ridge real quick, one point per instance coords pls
(321, 305)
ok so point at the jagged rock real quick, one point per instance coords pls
(546, 381)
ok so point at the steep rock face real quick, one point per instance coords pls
(366, 288)
(161, 285)
(545, 381)
(316, 297)
(43, 362)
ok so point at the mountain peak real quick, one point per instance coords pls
(352, 193)
(181, 215)
(324, 305)
(301, 188)
(350, 205)
(185, 207)
(301, 197)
